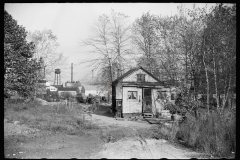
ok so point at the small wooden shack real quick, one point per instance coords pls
(138, 92)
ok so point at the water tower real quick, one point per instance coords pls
(57, 79)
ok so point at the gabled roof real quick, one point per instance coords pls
(133, 70)
(125, 75)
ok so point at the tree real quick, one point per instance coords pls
(168, 52)
(109, 43)
(211, 50)
(221, 45)
(20, 68)
(46, 47)
(144, 38)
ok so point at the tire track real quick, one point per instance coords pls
(143, 143)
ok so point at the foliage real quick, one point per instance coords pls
(51, 95)
(46, 47)
(214, 133)
(20, 69)
(81, 98)
(66, 95)
(171, 107)
(220, 49)
(190, 48)
(145, 39)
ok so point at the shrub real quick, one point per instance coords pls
(214, 133)
(171, 107)
(81, 98)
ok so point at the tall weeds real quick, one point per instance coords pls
(48, 118)
(213, 133)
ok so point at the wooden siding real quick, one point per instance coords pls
(133, 77)
(132, 106)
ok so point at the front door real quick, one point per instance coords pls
(147, 100)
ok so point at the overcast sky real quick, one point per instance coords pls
(71, 23)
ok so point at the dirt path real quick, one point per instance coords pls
(138, 147)
(20, 141)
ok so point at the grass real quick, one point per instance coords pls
(104, 111)
(214, 134)
(48, 118)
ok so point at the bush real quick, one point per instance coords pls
(171, 107)
(81, 98)
(214, 133)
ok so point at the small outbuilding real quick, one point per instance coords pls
(138, 92)
(72, 91)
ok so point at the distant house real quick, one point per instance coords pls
(52, 88)
(57, 86)
(138, 92)
(72, 91)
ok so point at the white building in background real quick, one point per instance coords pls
(94, 90)
(51, 88)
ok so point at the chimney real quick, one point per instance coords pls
(72, 72)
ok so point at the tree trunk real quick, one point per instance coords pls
(215, 82)
(110, 67)
(207, 79)
(226, 97)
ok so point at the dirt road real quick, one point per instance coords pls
(137, 146)
(115, 139)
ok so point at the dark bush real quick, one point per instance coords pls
(213, 133)
(81, 98)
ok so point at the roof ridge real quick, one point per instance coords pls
(134, 69)
(125, 74)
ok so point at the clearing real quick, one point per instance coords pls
(111, 139)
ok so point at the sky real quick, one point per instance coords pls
(71, 23)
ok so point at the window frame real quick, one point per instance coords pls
(130, 93)
(162, 95)
(141, 77)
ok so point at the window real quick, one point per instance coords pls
(161, 95)
(132, 94)
(140, 77)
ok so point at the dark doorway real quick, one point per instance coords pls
(147, 100)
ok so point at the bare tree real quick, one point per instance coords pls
(109, 44)
(46, 47)
(144, 38)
